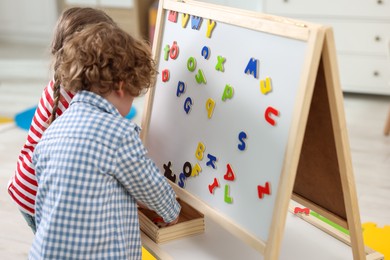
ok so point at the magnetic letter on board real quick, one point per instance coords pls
(228, 199)
(252, 67)
(181, 88)
(174, 51)
(196, 22)
(265, 85)
(210, 105)
(200, 151)
(168, 172)
(200, 78)
(172, 16)
(184, 20)
(212, 161)
(205, 52)
(196, 170)
(210, 26)
(214, 185)
(267, 115)
(264, 190)
(165, 75)
(219, 66)
(191, 64)
(229, 176)
(227, 92)
(181, 181)
(188, 105)
(166, 52)
(241, 137)
(187, 169)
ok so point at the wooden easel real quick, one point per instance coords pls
(325, 157)
(324, 180)
(317, 170)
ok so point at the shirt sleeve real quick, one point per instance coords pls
(37, 127)
(23, 185)
(143, 180)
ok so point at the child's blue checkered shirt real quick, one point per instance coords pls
(91, 168)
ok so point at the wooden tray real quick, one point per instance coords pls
(191, 222)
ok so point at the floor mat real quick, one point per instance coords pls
(23, 119)
(5, 120)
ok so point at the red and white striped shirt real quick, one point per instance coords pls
(23, 185)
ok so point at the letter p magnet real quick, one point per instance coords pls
(228, 92)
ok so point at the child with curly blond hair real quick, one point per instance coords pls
(54, 100)
(90, 165)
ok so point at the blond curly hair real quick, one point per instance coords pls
(101, 56)
(70, 21)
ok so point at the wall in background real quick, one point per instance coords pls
(33, 21)
(103, 3)
(242, 4)
(27, 21)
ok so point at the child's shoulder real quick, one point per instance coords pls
(130, 127)
(122, 126)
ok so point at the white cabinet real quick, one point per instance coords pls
(242, 4)
(362, 36)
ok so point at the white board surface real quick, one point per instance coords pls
(174, 135)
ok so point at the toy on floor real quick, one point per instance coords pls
(5, 120)
(132, 113)
(377, 238)
(146, 255)
(23, 119)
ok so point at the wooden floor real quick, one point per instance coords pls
(370, 150)
(24, 72)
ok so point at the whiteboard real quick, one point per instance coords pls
(175, 130)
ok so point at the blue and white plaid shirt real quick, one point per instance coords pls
(91, 168)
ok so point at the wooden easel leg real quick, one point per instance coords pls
(343, 150)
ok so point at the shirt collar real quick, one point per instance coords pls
(96, 101)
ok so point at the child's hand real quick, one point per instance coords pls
(160, 222)
(141, 205)
(174, 221)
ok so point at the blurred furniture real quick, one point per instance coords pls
(130, 15)
(361, 30)
(142, 8)
(387, 125)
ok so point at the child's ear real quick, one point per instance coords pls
(121, 91)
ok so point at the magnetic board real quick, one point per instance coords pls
(236, 118)
(233, 131)
(223, 103)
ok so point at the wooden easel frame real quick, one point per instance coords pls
(322, 51)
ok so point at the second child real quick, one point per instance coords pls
(91, 166)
